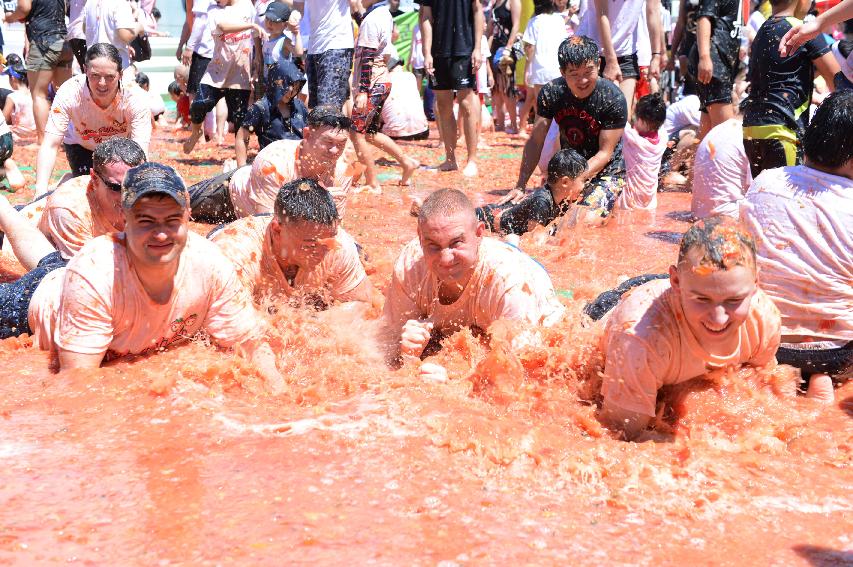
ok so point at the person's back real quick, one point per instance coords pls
(801, 217)
(23, 123)
(403, 113)
(643, 146)
(720, 172)
(776, 112)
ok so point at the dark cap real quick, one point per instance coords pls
(278, 12)
(153, 178)
(15, 67)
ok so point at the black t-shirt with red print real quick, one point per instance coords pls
(582, 120)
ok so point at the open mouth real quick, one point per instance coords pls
(714, 330)
(164, 247)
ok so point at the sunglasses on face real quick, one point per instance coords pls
(111, 185)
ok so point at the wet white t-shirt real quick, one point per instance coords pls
(802, 220)
(331, 26)
(403, 111)
(721, 173)
(103, 19)
(545, 33)
(624, 18)
(681, 114)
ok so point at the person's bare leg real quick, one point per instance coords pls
(60, 75)
(498, 114)
(390, 147)
(13, 174)
(365, 157)
(447, 128)
(469, 110)
(704, 126)
(221, 121)
(821, 389)
(27, 241)
(511, 102)
(39, 82)
(628, 87)
(190, 142)
(719, 113)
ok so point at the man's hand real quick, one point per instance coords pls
(514, 196)
(186, 56)
(360, 102)
(428, 67)
(179, 52)
(612, 71)
(476, 59)
(433, 372)
(706, 70)
(654, 67)
(262, 33)
(797, 36)
(416, 334)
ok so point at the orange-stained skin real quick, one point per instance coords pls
(173, 459)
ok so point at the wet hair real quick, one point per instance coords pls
(566, 163)
(142, 80)
(845, 47)
(105, 50)
(828, 141)
(305, 200)
(781, 3)
(155, 13)
(576, 51)
(543, 7)
(444, 202)
(652, 110)
(175, 88)
(116, 150)
(723, 242)
(328, 115)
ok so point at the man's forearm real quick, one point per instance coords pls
(44, 163)
(703, 37)
(529, 159)
(597, 162)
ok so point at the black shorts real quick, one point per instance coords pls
(608, 299)
(78, 48)
(15, 296)
(815, 358)
(770, 153)
(198, 65)
(419, 136)
(328, 77)
(719, 89)
(210, 200)
(628, 64)
(452, 74)
(79, 159)
(237, 101)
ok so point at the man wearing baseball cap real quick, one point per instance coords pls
(150, 287)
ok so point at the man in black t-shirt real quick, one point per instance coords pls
(776, 113)
(591, 113)
(452, 31)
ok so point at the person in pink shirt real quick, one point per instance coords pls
(234, 26)
(709, 314)
(89, 109)
(86, 207)
(643, 145)
(452, 276)
(802, 220)
(252, 190)
(298, 252)
(138, 292)
(18, 109)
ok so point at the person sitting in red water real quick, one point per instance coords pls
(134, 293)
(299, 250)
(452, 276)
(709, 314)
(252, 190)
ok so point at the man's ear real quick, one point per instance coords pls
(481, 229)
(674, 278)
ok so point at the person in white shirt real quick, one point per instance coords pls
(542, 38)
(613, 25)
(330, 52)
(721, 173)
(802, 220)
(403, 116)
(643, 145)
(114, 22)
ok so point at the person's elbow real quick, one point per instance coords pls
(125, 34)
(629, 424)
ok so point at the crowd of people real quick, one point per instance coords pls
(764, 274)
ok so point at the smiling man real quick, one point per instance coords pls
(709, 315)
(591, 114)
(252, 190)
(299, 251)
(141, 291)
(85, 207)
(452, 277)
